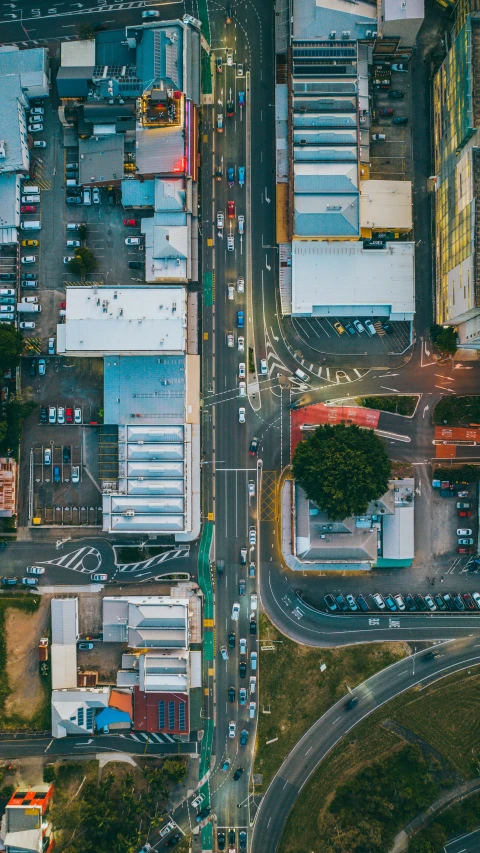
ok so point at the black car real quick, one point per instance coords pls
(341, 602)
(409, 602)
(29, 276)
(221, 838)
(242, 840)
(243, 737)
(253, 447)
(330, 602)
(32, 370)
(74, 199)
(66, 454)
(458, 601)
(253, 626)
(43, 415)
(237, 774)
(242, 668)
(8, 276)
(387, 328)
(231, 640)
(440, 602)
(136, 265)
(203, 814)
(449, 601)
(231, 838)
(174, 840)
(421, 604)
(351, 703)
(362, 603)
(396, 94)
(231, 694)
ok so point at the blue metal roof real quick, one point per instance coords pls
(323, 184)
(138, 194)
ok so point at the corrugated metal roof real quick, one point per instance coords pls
(17, 61)
(398, 534)
(138, 193)
(160, 150)
(64, 620)
(323, 184)
(324, 120)
(150, 386)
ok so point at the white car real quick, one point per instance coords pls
(242, 389)
(253, 602)
(42, 367)
(26, 325)
(243, 646)
(230, 339)
(461, 531)
(36, 127)
(87, 195)
(96, 195)
(68, 258)
(241, 415)
(241, 224)
(77, 415)
(232, 728)
(241, 344)
(220, 123)
(224, 652)
(370, 328)
(35, 570)
(398, 599)
(252, 536)
(197, 801)
(476, 598)
(231, 291)
(251, 488)
(235, 611)
(132, 241)
(240, 285)
(253, 683)
(28, 259)
(378, 599)
(37, 111)
(47, 455)
(359, 326)
(251, 710)
(75, 474)
(263, 366)
(229, 56)
(39, 143)
(33, 300)
(220, 222)
(61, 415)
(230, 243)
(239, 69)
(73, 244)
(241, 370)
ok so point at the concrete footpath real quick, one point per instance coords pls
(447, 799)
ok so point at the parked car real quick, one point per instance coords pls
(469, 602)
(136, 265)
(35, 127)
(378, 599)
(351, 602)
(390, 602)
(420, 602)
(400, 66)
(476, 598)
(339, 328)
(342, 604)
(458, 601)
(370, 328)
(42, 367)
(96, 195)
(132, 241)
(400, 120)
(409, 602)
(35, 570)
(449, 601)
(396, 94)
(430, 603)
(399, 602)
(61, 415)
(330, 602)
(378, 137)
(75, 475)
(362, 603)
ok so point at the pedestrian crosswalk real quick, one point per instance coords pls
(179, 553)
(74, 560)
(151, 737)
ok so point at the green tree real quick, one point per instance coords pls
(341, 469)
(174, 770)
(85, 31)
(82, 231)
(83, 263)
(445, 338)
(11, 346)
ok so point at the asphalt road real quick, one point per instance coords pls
(469, 843)
(131, 744)
(417, 671)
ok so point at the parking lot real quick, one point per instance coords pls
(320, 336)
(391, 158)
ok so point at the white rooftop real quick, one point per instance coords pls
(344, 279)
(386, 205)
(125, 319)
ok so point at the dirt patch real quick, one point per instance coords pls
(104, 658)
(23, 631)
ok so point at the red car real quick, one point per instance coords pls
(468, 550)
(69, 415)
(464, 513)
(28, 208)
(469, 603)
(231, 210)
(386, 111)
(63, 306)
(132, 222)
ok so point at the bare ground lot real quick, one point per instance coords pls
(23, 631)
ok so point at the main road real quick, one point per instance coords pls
(418, 671)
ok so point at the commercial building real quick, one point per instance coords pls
(64, 642)
(146, 621)
(32, 66)
(14, 155)
(74, 710)
(8, 487)
(456, 117)
(25, 826)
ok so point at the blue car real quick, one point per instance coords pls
(230, 176)
(241, 175)
(241, 99)
(240, 319)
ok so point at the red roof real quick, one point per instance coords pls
(319, 413)
(32, 797)
(154, 712)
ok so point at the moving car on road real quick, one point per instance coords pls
(235, 611)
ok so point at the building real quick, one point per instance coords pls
(456, 115)
(385, 206)
(146, 621)
(74, 710)
(8, 487)
(25, 826)
(14, 155)
(341, 279)
(128, 320)
(64, 642)
(31, 65)
(401, 19)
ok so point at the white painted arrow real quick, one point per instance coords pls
(426, 410)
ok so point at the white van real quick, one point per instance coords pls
(30, 190)
(302, 375)
(73, 226)
(30, 225)
(30, 199)
(72, 182)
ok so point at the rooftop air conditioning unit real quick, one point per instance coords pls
(3, 148)
(346, 34)
(333, 34)
(368, 34)
(129, 513)
(374, 34)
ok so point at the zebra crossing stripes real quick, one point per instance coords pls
(154, 561)
(150, 737)
(74, 560)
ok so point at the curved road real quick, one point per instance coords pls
(419, 670)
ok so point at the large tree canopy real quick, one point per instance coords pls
(11, 346)
(341, 469)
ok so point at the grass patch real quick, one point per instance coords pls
(399, 404)
(458, 819)
(444, 715)
(460, 411)
(292, 671)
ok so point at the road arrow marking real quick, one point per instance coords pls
(426, 410)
